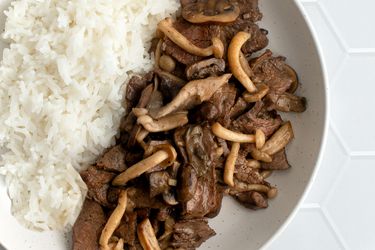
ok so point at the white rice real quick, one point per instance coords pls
(61, 89)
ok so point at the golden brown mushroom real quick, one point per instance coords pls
(234, 50)
(279, 139)
(263, 90)
(292, 73)
(193, 93)
(260, 138)
(230, 135)
(146, 236)
(167, 63)
(212, 11)
(216, 49)
(240, 186)
(245, 65)
(164, 157)
(113, 221)
(158, 53)
(230, 163)
(260, 155)
(165, 123)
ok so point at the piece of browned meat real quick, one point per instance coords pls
(112, 160)
(88, 226)
(252, 200)
(134, 89)
(286, 102)
(97, 182)
(258, 118)
(127, 230)
(190, 234)
(279, 162)
(205, 68)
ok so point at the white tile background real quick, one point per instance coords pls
(339, 212)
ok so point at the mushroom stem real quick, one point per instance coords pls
(234, 50)
(113, 221)
(165, 123)
(146, 235)
(217, 48)
(245, 65)
(230, 163)
(263, 90)
(193, 93)
(140, 167)
(158, 53)
(261, 156)
(230, 135)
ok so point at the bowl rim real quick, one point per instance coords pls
(323, 143)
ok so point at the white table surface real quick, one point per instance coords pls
(339, 212)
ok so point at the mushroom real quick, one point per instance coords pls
(260, 155)
(230, 163)
(167, 63)
(165, 123)
(158, 53)
(263, 90)
(216, 49)
(164, 157)
(113, 221)
(292, 73)
(230, 135)
(279, 139)
(146, 235)
(205, 68)
(240, 186)
(213, 11)
(192, 94)
(139, 111)
(265, 174)
(245, 65)
(260, 138)
(167, 75)
(287, 102)
(234, 50)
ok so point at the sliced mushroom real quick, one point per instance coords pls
(113, 221)
(146, 236)
(167, 75)
(216, 49)
(205, 68)
(240, 186)
(187, 184)
(266, 173)
(279, 139)
(165, 123)
(230, 135)
(230, 163)
(139, 111)
(287, 102)
(163, 157)
(263, 90)
(292, 73)
(213, 11)
(245, 65)
(158, 53)
(234, 50)
(192, 94)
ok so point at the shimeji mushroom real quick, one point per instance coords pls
(164, 157)
(240, 186)
(230, 135)
(263, 90)
(234, 50)
(260, 155)
(230, 163)
(216, 49)
(146, 235)
(113, 221)
(192, 94)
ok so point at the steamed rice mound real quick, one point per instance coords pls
(61, 92)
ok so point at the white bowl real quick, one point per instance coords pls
(239, 228)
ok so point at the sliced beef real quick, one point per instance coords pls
(258, 118)
(127, 230)
(179, 140)
(219, 106)
(252, 199)
(187, 183)
(158, 183)
(190, 234)
(169, 85)
(139, 197)
(134, 89)
(248, 175)
(238, 108)
(205, 68)
(286, 102)
(112, 160)
(279, 162)
(97, 182)
(88, 226)
(250, 10)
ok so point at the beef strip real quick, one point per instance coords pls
(134, 89)
(258, 118)
(252, 199)
(238, 108)
(169, 87)
(219, 106)
(112, 160)
(97, 182)
(279, 162)
(285, 102)
(190, 234)
(205, 68)
(158, 182)
(127, 230)
(200, 147)
(88, 226)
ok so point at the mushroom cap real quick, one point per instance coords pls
(172, 154)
